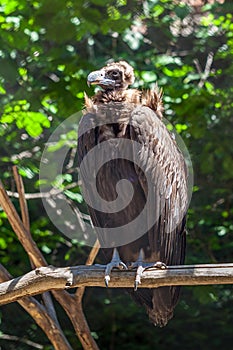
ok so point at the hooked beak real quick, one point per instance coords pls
(98, 78)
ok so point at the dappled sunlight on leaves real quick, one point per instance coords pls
(48, 47)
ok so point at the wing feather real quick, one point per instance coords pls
(165, 169)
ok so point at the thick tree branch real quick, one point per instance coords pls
(52, 278)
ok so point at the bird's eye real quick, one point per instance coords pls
(114, 74)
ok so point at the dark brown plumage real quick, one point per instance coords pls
(115, 113)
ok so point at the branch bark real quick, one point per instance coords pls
(22, 199)
(52, 278)
(22, 233)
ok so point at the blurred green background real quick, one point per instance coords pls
(47, 48)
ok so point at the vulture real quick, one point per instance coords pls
(134, 181)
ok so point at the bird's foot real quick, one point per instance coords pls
(115, 262)
(142, 266)
(157, 265)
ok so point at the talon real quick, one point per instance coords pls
(161, 265)
(139, 273)
(139, 265)
(122, 266)
(115, 262)
(157, 265)
(106, 280)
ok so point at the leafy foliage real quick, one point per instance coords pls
(47, 49)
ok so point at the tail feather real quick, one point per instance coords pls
(159, 303)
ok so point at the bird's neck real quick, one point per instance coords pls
(117, 95)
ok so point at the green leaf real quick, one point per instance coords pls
(26, 172)
(3, 243)
(74, 196)
(46, 249)
(2, 90)
(7, 118)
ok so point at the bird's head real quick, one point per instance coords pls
(116, 75)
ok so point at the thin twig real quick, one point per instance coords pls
(21, 340)
(48, 194)
(204, 74)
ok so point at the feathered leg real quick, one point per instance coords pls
(115, 262)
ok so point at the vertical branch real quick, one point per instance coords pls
(22, 233)
(93, 253)
(75, 313)
(48, 302)
(22, 199)
(80, 291)
(75, 308)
